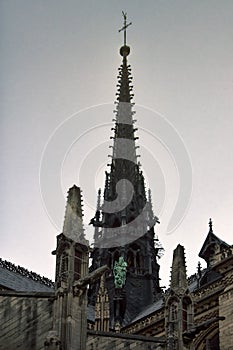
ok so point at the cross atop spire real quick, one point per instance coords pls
(125, 26)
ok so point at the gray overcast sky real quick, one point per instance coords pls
(60, 57)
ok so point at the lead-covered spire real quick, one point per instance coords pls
(124, 145)
(124, 230)
(124, 132)
(125, 203)
(124, 183)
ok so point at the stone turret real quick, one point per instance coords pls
(179, 305)
(72, 256)
(73, 223)
(179, 282)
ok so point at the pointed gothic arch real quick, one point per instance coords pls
(77, 264)
(63, 271)
(187, 313)
(134, 259)
(208, 339)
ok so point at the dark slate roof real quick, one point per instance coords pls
(149, 310)
(19, 279)
(192, 285)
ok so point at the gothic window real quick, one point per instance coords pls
(213, 342)
(77, 264)
(138, 260)
(113, 255)
(109, 262)
(130, 260)
(172, 318)
(173, 312)
(63, 267)
(134, 259)
(131, 213)
(187, 317)
(209, 341)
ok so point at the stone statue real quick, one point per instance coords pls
(119, 272)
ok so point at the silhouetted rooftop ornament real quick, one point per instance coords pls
(125, 50)
(211, 225)
(207, 251)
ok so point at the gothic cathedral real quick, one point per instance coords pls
(109, 296)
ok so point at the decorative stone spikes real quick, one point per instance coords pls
(124, 84)
(98, 199)
(96, 222)
(178, 274)
(73, 224)
(124, 159)
(150, 210)
(102, 313)
(149, 196)
(98, 207)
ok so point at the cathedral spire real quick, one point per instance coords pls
(124, 231)
(124, 139)
(124, 182)
(125, 197)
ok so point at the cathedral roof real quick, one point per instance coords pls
(149, 310)
(19, 279)
(193, 285)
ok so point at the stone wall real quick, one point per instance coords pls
(25, 320)
(119, 341)
(226, 326)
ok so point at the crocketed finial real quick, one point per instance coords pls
(211, 225)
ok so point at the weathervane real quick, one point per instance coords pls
(125, 26)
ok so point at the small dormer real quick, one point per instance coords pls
(213, 248)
